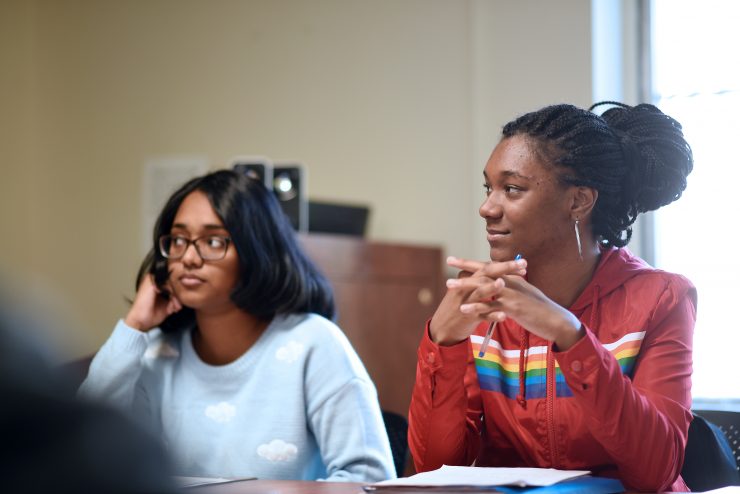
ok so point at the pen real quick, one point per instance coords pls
(491, 327)
(486, 339)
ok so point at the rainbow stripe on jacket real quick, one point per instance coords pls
(498, 369)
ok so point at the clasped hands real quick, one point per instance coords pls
(494, 291)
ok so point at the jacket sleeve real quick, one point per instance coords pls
(643, 422)
(114, 373)
(446, 410)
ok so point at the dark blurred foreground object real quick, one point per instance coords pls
(58, 445)
(53, 443)
(709, 462)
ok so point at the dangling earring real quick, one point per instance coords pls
(578, 241)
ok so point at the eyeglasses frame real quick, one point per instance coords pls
(165, 254)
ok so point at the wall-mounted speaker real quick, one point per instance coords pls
(289, 185)
(286, 179)
(257, 167)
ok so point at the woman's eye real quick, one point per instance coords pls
(487, 189)
(179, 241)
(215, 242)
(511, 189)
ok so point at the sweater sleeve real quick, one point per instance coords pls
(114, 373)
(446, 410)
(643, 422)
(345, 417)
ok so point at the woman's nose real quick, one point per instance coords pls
(191, 257)
(491, 208)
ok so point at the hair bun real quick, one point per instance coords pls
(658, 157)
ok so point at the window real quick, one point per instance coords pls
(696, 79)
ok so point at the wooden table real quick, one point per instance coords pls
(307, 487)
(279, 487)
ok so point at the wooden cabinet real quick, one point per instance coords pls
(384, 294)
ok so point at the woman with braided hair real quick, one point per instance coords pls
(565, 350)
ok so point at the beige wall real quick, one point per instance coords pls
(527, 54)
(394, 103)
(16, 115)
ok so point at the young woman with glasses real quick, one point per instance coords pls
(228, 351)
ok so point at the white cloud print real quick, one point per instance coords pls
(161, 349)
(277, 450)
(290, 352)
(221, 413)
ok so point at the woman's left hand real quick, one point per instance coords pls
(519, 300)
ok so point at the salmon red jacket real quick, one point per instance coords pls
(616, 403)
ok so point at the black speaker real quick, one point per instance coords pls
(289, 185)
(257, 167)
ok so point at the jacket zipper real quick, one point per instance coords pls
(554, 455)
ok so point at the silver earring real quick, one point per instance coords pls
(578, 241)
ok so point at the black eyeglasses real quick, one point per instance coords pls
(209, 248)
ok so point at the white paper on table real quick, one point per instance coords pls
(484, 476)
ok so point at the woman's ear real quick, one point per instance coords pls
(583, 201)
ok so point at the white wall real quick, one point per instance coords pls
(527, 54)
(393, 103)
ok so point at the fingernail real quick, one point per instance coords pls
(466, 308)
(451, 259)
(451, 283)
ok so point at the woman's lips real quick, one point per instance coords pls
(190, 281)
(494, 235)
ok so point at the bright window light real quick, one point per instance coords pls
(696, 79)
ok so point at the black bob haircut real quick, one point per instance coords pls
(276, 276)
(635, 157)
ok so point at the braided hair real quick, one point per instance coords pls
(635, 157)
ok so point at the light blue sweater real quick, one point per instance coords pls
(297, 405)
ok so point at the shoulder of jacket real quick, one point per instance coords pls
(664, 279)
(665, 287)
